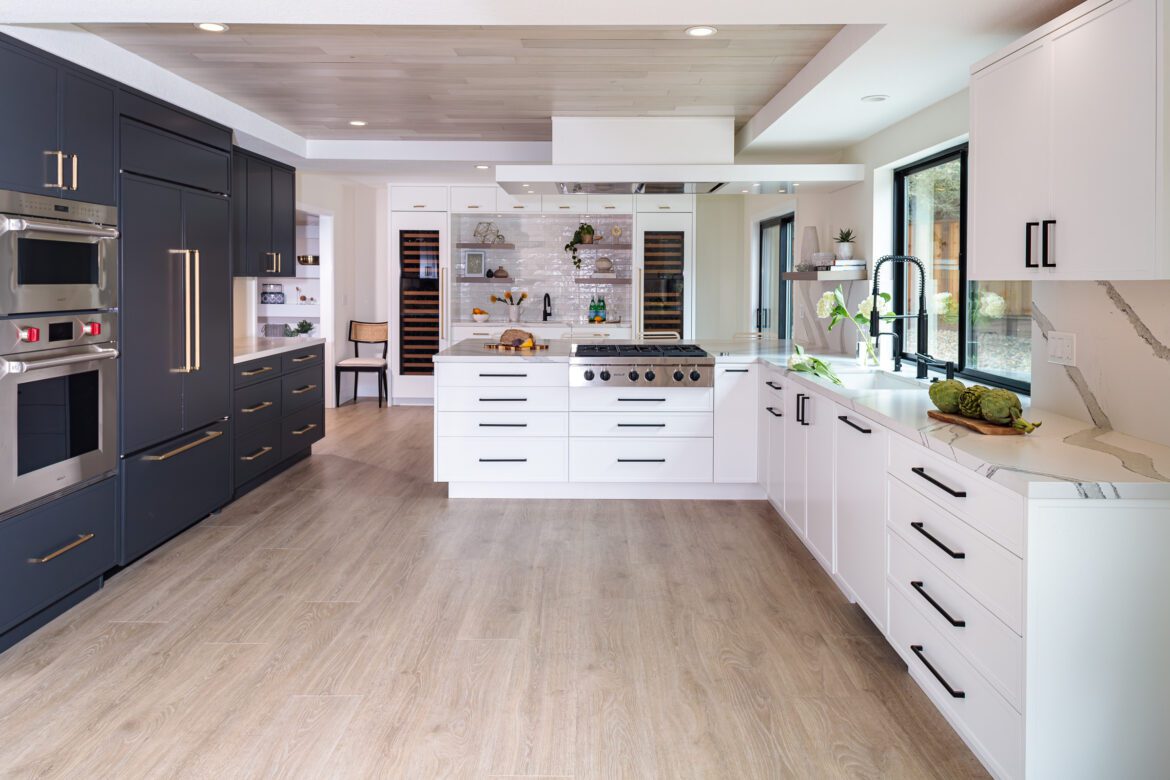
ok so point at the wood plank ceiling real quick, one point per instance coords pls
(476, 83)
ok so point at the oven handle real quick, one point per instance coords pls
(25, 366)
(24, 224)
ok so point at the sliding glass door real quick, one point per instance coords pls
(772, 292)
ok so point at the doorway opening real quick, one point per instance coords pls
(773, 293)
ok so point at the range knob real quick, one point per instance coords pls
(650, 375)
(91, 329)
(30, 335)
(633, 375)
(695, 375)
(604, 375)
(588, 375)
(679, 375)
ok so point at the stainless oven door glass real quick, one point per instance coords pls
(49, 265)
(62, 408)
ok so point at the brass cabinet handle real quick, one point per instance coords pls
(257, 407)
(305, 430)
(664, 207)
(209, 436)
(563, 207)
(303, 390)
(260, 453)
(303, 358)
(279, 262)
(198, 306)
(73, 184)
(275, 268)
(256, 371)
(472, 205)
(519, 206)
(60, 183)
(80, 540)
(187, 367)
(609, 207)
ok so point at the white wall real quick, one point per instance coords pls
(723, 293)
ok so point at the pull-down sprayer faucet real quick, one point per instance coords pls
(923, 358)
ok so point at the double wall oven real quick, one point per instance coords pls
(58, 347)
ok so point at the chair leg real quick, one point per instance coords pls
(386, 384)
(356, 376)
(337, 386)
(379, 377)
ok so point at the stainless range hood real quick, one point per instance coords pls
(702, 179)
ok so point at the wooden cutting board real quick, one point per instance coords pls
(979, 426)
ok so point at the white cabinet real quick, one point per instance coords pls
(793, 486)
(508, 204)
(473, 199)
(1066, 152)
(609, 204)
(647, 204)
(563, 204)
(418, 198)
(601, 332)
(861, 511)
(736, 424)
(817, 416)
(772, 436)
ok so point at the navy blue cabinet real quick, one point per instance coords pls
(264, 216)
(57, 128)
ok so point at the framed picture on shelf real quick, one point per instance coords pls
(474, 262)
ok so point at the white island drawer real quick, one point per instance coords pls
(501, 399)
(993, 729)
(986, 641)
(640, 399)
(641, 424)
(640, 460)
(487, 459)
(502, 424)
(503, 374)
(992, 509)
(981, 567)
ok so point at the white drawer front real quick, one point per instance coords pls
(418, 198)
(640, 399)
(995, 511)
(501, 399)
(585, 333)
(980, 566)
(656, 203)
(648, 424)
(487, 459)
(772, 385)
(988, 723)
(506, 203)
(473, 199)
(501, 375)
(993, 648)
(485, 331)
(640, 460)
(502, 424)
(610, 204)
(563, 204)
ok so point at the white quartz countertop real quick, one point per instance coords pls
(1064, 458)
(253, 348)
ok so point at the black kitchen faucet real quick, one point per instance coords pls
(924, 359)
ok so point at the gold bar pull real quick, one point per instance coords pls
(279, 262)
(198, 307)
(186, 367)
(260, 453)
(518, 206)
(303, 358)
(257, 407)
(209, 436)
(611, 207)
(274, 269)
(60, 183)
(256, 371)
(305, 430)
(80, 540)
(303, 390)
(73, 184)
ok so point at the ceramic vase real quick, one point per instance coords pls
(513, 314)
(845, 250)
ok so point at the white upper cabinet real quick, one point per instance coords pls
(610, 204)
(507, 204)
(654, 203)
(418, 198)
(1067, 152)
(473, 199)
(563, 204)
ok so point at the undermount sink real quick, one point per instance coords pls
(878, 380)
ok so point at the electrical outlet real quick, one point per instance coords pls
(1062, 348)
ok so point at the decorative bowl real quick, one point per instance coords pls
(481, 317)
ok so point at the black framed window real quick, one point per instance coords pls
(773, 296)
(984, 328)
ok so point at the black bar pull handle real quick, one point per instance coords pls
(1028, 244)
(920, 528)
(919, 586)
(503, 425)
(800, 401)
(503, 460)
(843, 418)
(514, 400)
(920, 471)
(657, 400)
(773, 385)
(508, 376)
(774, 412)
(919, 651)
(641, 460)
(735, 370)
(641, 425)
(1044, 248)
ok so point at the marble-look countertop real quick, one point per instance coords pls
(254, 347)
(1064, 458)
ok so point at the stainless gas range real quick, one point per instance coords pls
(640, 365)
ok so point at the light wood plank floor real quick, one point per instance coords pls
(348, 620)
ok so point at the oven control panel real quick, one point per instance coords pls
(22, 204)
(20, 335)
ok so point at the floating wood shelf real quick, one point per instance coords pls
(601, 279)
(465, 245)
(827, 276)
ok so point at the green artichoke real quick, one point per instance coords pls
(969, 402)
(1003, 407)
(945, 395)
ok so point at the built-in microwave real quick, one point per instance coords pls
(56, 255)
(58, 405)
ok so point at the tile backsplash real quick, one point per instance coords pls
(539, 265)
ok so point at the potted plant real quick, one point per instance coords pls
(513, 303)
(302, 328)
(582, 235)
(844, 241)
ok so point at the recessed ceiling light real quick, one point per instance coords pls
(357, 122)
(701, 31)
(212, 26)
(875, 98)
(744, 191)
(482, 167)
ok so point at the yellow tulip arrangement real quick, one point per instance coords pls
(509, 299)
